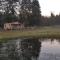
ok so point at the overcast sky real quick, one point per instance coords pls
(48, 6)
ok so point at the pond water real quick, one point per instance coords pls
(30, 49)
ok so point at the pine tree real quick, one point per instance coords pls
(36, 12)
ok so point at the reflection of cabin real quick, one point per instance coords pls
(13, 26)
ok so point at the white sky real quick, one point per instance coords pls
(48, 6)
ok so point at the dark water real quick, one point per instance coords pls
(30, 49)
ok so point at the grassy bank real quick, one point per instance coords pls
(42, 32)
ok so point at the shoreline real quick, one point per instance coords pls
(35, 33)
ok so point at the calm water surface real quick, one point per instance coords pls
(30, 49)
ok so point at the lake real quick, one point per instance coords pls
(30, 49)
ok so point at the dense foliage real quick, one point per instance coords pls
(25, 11)
(28, 12)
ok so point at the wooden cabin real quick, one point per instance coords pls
(13, 26)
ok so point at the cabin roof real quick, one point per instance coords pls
(14, 23)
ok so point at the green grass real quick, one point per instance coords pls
(42, 32)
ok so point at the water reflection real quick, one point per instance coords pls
(30, 49)
(50, 49)
(20, 49)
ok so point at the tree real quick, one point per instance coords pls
(36, 13)
(30, 12)
(25, 11)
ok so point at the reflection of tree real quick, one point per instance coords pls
(30, 48)
(52, 40)
(8, 51)
(0, 50)
(20, 50)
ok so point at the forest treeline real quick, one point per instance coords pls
(25, 11)
(51, 20)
